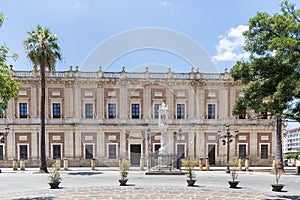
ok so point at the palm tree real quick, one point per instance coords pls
(43, 50)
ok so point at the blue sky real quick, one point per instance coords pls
(82, 25)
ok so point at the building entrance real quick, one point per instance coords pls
(212, 154)
(135, 154)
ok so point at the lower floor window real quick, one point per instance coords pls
(89, 149)
(23, 151)
(56, 151)
(1, 152)
(264, 151)
(112, 151)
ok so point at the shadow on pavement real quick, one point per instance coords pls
(84, 173)
(292, 197)
(36, 198)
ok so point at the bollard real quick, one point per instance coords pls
(142, 163)
(93, 164)
(15, 164)
(207, 164)
(247, 164)
(22, 165)
(66, 164)
(273, 166)
(200, 164)
(240, 162)
(57, 164)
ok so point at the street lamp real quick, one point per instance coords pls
(180, 150)
(227, 139)
(2, 140)
(148, 134)
(3, 135)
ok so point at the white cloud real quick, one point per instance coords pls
(230, 47)
(165, 2)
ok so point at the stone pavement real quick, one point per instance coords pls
(82, 183)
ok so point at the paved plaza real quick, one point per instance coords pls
(82, 183)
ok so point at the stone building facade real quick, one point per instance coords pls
(105, 116)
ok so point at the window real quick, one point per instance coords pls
(1, 152)
(23, 110)
(156, 150)
(242, 151)
(156, 108)
(23, 151)
(56, 110)
(89, 110)
(264, 151)
(89, 151)
(112, 110)
(112, 151)
(135, 111)
(211, 111)
(1, 110)
(180, 150)
(180, 111)
(56, 151)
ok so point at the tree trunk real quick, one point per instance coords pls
(43, 164)
(278, 155)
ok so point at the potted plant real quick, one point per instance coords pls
(278, 171)
(54, 178)
(124, 168)
(189, 167)
(233, 173)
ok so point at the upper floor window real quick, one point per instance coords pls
(156, 107)
(180, 111)
(112, 110)
(135, 111)
(89, 110)
(211, 111)
(56, 110)
(23, 110)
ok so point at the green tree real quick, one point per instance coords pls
(272, 72)
(8, 86)
(43, 50)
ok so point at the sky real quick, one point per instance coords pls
(84, 27)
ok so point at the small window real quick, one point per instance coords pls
(56, 110)
(56, 151)
(135, 111)
(112, 151)
(23, 110)
(23, 151)
(89, 151)
(211, 111)
(112, 110)
(89, 110)
(180, 111)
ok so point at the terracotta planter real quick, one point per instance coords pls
(54, 185)
(277, 187)
(233, 184)
(191, 182)
(123, 182)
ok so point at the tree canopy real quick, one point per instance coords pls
(8, 86)
(272, 72)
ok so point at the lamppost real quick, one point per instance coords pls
(227, 139)
(3, 135)
(180, 150)
(148, 135)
